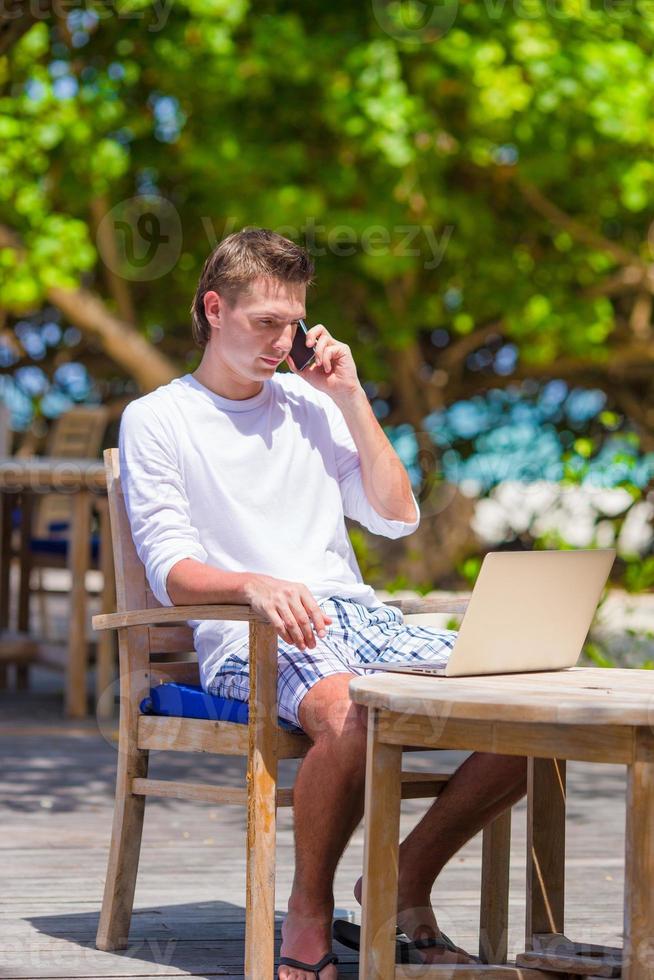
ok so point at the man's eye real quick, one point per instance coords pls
(265, 321)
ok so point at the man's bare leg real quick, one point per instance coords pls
(328, 805)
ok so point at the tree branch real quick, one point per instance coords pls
(119, 340)
(577, 230)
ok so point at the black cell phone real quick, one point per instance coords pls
(301, 354)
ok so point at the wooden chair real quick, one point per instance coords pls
(77, 434)
(148, 635)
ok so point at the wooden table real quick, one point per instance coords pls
(588, 714)
(84, 482)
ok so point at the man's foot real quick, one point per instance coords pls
(416, 918)
(307, 937)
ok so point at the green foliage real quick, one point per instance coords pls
(332, 116)
(470, 569)
(639, 574)
(596, 655)
(395, 152)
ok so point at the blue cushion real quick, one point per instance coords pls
(55, 546)
(59, 546)
(191, 701)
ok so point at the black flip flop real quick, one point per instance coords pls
(311, 967)
(349, 934)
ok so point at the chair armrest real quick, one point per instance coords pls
(169, 615)
(430, 604)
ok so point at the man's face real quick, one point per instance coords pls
(255, 335)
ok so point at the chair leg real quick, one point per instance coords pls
(116, 914)
(494, 912)
(262, 803)
(22, 677)
(44, 624)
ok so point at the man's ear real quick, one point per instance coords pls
(212, 304)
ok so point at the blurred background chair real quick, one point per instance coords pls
(77, 434)
(41, 526)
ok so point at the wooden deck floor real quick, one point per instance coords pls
(56, 792)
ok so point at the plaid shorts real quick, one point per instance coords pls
(355, 633)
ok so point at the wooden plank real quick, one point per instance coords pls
(588, 743)
(176, 614)
(25, 560)
(415, 786)
(639, 865)
(546, 812)
(216, 737)
(199, 792)
(412, 606)
(583, 696)
(127, 825)
(78, 562)
(466, 972)
(261, 797)
(191, 735)
(106, 648)
(171, 639)
(41, 473)
(7, 502)
(177, 672)
(380, 856)
(494, 904)
(574, 959)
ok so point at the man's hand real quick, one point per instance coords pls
(289, 606)
(333, 370)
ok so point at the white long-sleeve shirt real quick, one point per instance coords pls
(255, 485)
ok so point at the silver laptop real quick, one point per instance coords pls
(528, 611)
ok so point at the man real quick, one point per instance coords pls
(237, 480)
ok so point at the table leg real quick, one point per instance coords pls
(5, 565)
(105, 655)
(494, 906)
(545, 848)
(25, 561)
(638, 953)
(24, 594)
(78, 562)
(380, 856)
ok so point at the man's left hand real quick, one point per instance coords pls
(333, 369)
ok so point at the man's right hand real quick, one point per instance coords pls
(290, 608)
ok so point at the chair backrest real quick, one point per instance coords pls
(77, 434)
(156, 643)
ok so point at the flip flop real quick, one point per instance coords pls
(349, 934)
(311, 967)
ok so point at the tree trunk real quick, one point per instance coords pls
(119, 340)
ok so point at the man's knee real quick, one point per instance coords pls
(326, 711)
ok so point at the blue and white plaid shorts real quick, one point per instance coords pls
(355, 633)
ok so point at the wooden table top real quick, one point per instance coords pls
(54, 473)
(578, 696)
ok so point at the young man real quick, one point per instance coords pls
(237, 481)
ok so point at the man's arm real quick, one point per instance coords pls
(288, 606)
(385, 479)
(191, 583)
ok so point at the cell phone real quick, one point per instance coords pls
(301, 354)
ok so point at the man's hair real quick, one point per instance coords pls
(241, 258)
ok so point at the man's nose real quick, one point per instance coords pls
(285, 339)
